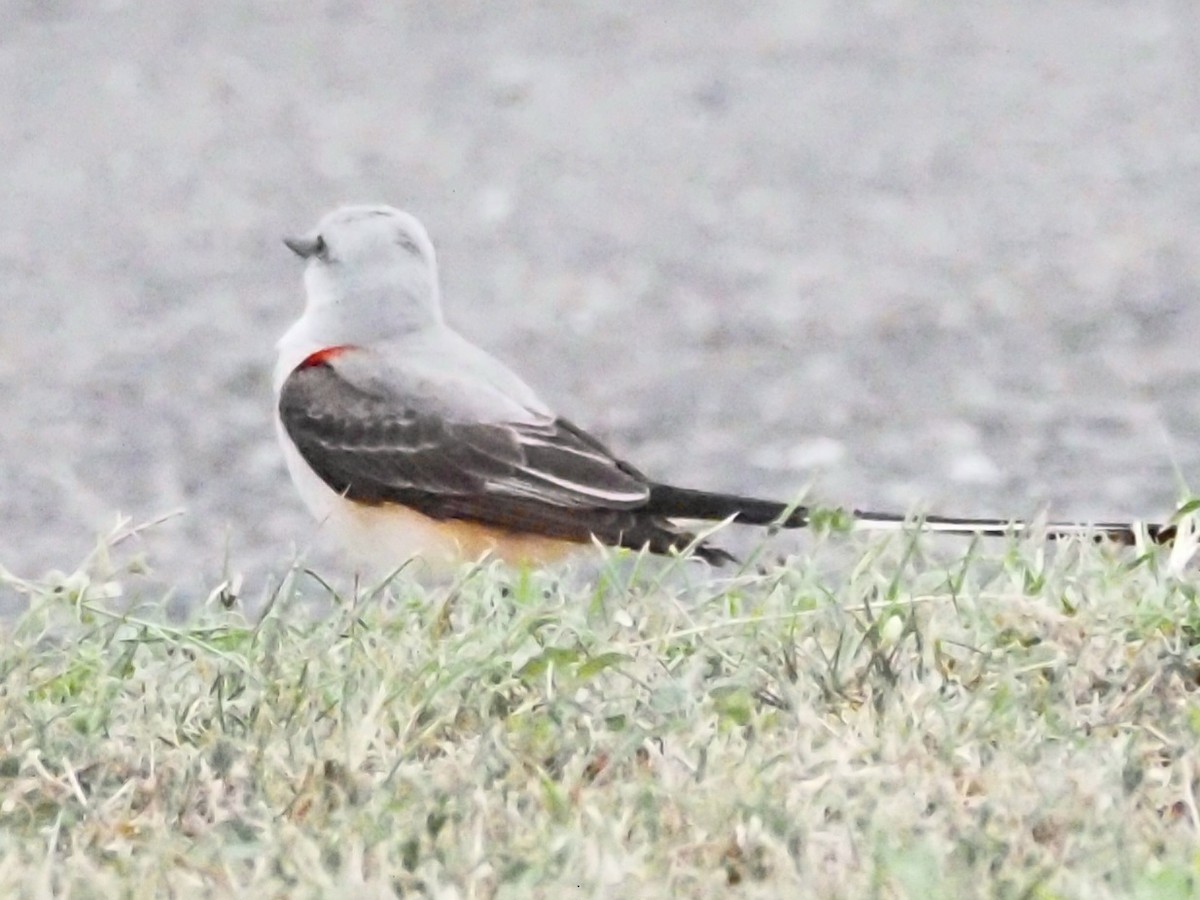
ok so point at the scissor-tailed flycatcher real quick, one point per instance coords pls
(407, 440)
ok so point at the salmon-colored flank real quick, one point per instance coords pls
(324, 357)
(454, 539)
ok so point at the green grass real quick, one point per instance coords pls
(876, 718)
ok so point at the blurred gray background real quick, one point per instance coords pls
(912, 254)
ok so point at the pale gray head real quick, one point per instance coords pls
(370, 269)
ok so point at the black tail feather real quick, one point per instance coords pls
(1119, 532)
(684, 503)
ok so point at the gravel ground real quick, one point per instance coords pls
(906, 253)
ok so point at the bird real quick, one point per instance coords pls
(408, 441)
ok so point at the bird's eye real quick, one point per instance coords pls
(320, 248)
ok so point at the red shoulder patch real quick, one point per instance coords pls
(324, 357)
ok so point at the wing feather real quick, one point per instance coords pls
(373, 449)
(539, 476)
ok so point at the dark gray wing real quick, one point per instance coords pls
(543, 476)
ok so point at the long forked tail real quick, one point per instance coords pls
(683, 503)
